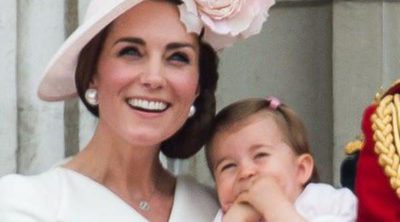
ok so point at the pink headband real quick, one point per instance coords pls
(274, 102)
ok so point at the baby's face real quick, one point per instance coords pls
(253, 147)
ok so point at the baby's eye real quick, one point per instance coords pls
(130, 51)
(261, 155)
(227, 166)
(179, 57)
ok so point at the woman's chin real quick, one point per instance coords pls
(145, 139)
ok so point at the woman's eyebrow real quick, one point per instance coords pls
(131, 40)
(177, 45)
(170, 46)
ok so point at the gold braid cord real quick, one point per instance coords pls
(355, 145)
(385, 123)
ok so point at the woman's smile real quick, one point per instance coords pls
(145, 105)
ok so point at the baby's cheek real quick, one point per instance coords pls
(225, 207)
(225, 195)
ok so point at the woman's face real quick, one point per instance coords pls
(147, 75)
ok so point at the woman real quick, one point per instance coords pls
(145, 69)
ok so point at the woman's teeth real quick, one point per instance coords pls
(147, 105)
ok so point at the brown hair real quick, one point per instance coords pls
(286, 118)
(192, 135)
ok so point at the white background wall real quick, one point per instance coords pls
(326, 59)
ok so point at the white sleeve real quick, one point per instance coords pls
(323, 203)
(218, 217)
(23, 200)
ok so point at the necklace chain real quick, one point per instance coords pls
(145, 204)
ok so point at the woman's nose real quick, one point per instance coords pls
(153, 76)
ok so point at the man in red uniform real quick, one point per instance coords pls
(377, 183)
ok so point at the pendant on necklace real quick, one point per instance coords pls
(144, 205)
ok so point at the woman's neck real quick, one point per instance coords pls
(134, 173)
(117, 165)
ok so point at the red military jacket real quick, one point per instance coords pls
(377, 182)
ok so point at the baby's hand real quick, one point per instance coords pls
(241, 212)
(266, 196)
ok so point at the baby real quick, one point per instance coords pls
(259, 156)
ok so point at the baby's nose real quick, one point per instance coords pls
(246, 172)
(244, 182)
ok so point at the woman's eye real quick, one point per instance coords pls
(129, 51)
(179, 57)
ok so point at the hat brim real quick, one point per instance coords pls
(58, 82)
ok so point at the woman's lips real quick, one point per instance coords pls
(147, 105)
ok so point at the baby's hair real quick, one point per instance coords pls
(287, 120)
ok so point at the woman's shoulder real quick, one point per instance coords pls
(16, 179)
(20, 185)
(325, 201)
(194, 200)
(40, 183)
(35, 195)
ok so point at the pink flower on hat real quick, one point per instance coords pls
(221, 9)
(225, 21)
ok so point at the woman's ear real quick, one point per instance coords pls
(198, 91)
(94, 82)
(305, 166)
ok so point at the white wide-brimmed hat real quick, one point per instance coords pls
(59, 80)
(223, 22)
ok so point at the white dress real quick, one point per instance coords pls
(62, 195)
(323, 203)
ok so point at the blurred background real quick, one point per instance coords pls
(326, 59)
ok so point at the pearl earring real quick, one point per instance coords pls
(192, 111)
(91, 97)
